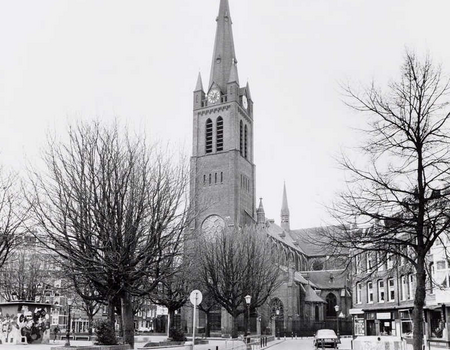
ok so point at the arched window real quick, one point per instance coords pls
(331, 303)
(245, 143)
(241, 138)
(219, 134)
(209, 136)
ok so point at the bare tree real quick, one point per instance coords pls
(173, 291)
(24, 276)
(12, 214)
(401, 193)
(114, 209)
(237, 263)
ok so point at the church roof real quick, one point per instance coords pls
(313, 242)
(224, 56)
(327, 279)
(282, 236)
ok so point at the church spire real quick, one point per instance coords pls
(260, 214)
(285, 212)
(224, 56)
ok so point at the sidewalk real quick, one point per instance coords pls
(214, 343)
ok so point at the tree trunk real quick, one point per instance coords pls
(208, 324)
(90, 322)
(127, 319)
(111, 314)
(419, 302)
(234, 330)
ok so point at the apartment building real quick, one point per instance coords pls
(384, 289)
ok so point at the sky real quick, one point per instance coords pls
(138, 61)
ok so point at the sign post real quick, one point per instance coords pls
(196, 299)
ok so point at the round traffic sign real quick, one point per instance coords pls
(196, 297)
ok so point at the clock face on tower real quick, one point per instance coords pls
(212, 226)
(214, 96)
(244, 101)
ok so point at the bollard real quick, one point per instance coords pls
(217, 347)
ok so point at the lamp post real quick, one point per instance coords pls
(277, 331)
(337, 320)
(248, 300)
(69, 303)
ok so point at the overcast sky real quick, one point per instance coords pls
(138, 61)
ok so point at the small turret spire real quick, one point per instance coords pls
(285, 211)
(224, 56)
(260, 214)
(199, 85)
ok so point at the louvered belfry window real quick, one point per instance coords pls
(209, 136)
(219, 134)
(241, 137)
(245, 143)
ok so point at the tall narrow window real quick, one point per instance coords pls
(221, 177)
(369, 292)
(215, 178)
(245, 143)
(391, 289)
(381, 291)
(358, 293)
(241, 138)
(404, 289)
(219, 134)
(209, 136)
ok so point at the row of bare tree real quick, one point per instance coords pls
(113, 212)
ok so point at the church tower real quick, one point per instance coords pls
(222, 169)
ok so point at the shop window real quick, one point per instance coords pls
(437, 324)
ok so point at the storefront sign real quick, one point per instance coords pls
(359, 326)
(383, 315)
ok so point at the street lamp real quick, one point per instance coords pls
(277, 331)
(69, 303)
(337, 319)
(248, 300)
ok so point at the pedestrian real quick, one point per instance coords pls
(55, 333)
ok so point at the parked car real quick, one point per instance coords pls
(326, 338)
(144, 329)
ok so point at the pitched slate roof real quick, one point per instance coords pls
(327, 279)
(313, 241)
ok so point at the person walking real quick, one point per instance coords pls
(55, 333)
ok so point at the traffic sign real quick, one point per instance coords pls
(196, 297)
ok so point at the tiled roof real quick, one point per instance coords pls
(327, 279)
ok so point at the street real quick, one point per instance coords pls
(304, 344)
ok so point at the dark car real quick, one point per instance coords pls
(326, 338)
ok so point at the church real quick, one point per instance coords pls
(315, 289)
